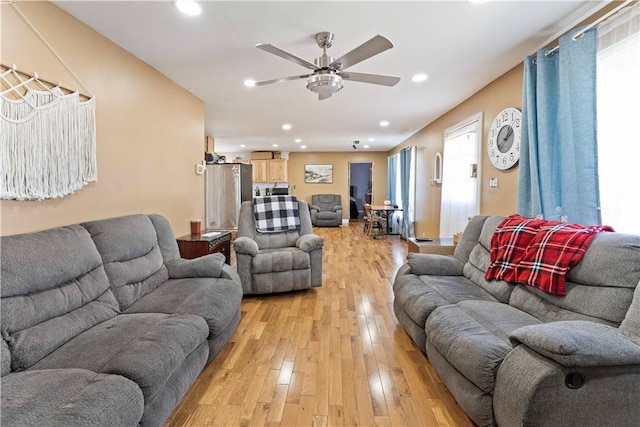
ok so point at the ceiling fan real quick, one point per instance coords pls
(328, 73)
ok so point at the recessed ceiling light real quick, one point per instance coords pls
(188, 7)
(249, 83)
(275, 145)
(303, 146)
(419, 78)
(366, 146)
(242, 146)
(384, 123)
(371, 139)
(297, 141)
(286, 126)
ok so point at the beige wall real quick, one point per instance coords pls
(506, 91)
(150, 131)
(340, 185)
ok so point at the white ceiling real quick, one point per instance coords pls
(462, 46)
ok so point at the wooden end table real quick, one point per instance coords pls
(435, 246)
(197, 245)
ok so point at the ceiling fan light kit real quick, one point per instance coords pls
(328, 74)
(324, 83)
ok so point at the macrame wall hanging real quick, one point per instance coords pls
(47, 134)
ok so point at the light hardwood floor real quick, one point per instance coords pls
(328, 356)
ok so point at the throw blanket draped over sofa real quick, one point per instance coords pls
(515, 355)
(103, 324)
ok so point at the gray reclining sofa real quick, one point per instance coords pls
(104, 324)
(513, 355)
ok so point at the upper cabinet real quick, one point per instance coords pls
(260, 170)
(277, 170)
(273, 170)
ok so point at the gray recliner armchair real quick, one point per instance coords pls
(269, 262)
(326, 210)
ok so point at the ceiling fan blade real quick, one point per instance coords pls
(322, 96)
(280, 80)
(376, 79)
(286, 55)
(366, 50)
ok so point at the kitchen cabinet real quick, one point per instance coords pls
(277, 170)
(260, 170)
(273, 170)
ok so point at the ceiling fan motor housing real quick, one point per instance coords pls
(324, 83)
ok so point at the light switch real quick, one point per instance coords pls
(493, 182)
(199, 169)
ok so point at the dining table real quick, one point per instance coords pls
(386, 211)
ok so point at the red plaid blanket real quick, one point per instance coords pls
(538, 253)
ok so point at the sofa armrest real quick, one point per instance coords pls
(245, 246)
(337, 208)
(310, 242)
(230, 273)
(205, 266)
(434, 264)
(314, 207)
(531, 389)
(579, 343)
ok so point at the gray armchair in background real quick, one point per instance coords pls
(277, 261)
(326, 210)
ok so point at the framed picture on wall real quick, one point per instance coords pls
(318, 174)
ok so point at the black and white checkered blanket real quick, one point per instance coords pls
(276, 213)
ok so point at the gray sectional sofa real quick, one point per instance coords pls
(513, 355)
(104, 324)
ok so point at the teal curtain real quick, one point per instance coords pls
(392, 171)
(558, 175)
(407, 188)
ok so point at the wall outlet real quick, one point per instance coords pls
(199, 169)
(493, 182)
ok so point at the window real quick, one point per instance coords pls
(460, 189)
(618, 92)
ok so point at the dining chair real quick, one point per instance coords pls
(373, 220)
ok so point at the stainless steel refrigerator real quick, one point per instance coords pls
(227, 185)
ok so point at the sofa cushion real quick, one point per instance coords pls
(70, 398)
(613, 259)
(283, 259)
(600, 288)
(131, 255)
(215, 300)
(469, 237)
(327, 215)
(595, 303)
(166, 239)
(478, 260)
(631, 323)
(326, 202)
(475, 270)
(420, 295)
(5, 358)
(473, 336)
(145, 348)
(53, 288)
(282, 281)
(247, 228)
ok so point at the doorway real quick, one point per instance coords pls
(360, 188)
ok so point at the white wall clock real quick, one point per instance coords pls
(503, 141)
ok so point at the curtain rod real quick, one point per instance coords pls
(37, 77)
(580, 33)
